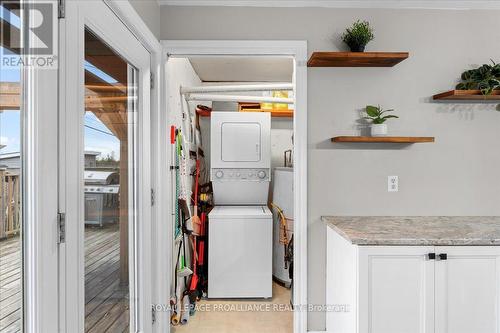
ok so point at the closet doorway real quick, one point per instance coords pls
(238, 78)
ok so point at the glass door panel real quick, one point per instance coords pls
(11, 240)
(105, 176)
(109, 185)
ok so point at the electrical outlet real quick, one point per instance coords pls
(393, 183)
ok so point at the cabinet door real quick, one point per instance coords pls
(468, 290)
(396, 289)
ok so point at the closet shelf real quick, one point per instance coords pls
(274, 113)
(356, 59)
(383, 139)
(256, 107)
(465, 95)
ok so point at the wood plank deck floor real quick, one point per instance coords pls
(106, 301)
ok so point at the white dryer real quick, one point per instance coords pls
(240, 157)
(239, 252)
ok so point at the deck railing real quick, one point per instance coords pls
(10, 204)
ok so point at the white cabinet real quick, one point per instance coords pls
(468, 290)
(400, 289)
(396, 290)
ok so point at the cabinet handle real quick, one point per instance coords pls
(443, 256)
(431, 256)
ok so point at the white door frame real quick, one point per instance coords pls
(111, 29)
(298, 50)
(136, 25)
(39, 193)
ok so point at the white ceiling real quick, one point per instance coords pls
(430, 4)
(243, 69)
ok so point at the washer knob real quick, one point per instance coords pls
(261, 174)
(219, 174)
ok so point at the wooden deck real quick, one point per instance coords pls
(10, 285)
(106, 301)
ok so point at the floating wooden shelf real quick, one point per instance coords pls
(356, 59)
(464, 95)
(383, 139)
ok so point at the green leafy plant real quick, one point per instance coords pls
(358, 35)
(485, 78)
(376, 114)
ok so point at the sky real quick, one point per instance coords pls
(10, 121)
(97, 135)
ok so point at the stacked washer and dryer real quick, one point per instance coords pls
(240, 225)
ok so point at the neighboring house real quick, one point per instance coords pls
(10, 199)
(12, 161)
(91, 159)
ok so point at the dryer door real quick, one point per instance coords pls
(241, 142)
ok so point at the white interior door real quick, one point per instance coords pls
(105, 263)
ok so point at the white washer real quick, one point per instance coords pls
(239, 252)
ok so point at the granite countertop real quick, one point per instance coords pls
(417, 230)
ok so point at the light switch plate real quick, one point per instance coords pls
(393, 183)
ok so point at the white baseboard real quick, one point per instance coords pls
(316, 332)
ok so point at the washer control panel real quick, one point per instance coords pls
(240, 174)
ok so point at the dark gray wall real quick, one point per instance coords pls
(455, 176)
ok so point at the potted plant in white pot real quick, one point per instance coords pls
(376, 115)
